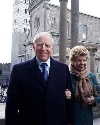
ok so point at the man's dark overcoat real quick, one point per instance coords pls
(31, 101)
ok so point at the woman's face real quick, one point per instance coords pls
(80, 63)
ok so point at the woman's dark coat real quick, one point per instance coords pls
(84, 115)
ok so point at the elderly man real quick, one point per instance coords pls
(36, 92)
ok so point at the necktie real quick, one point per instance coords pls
(44, 72)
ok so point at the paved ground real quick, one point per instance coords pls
(2, 110)
(2, 114)
(96, 121)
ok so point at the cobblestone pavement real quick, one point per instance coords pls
(2, 110)
(2, 114)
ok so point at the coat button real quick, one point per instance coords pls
(85, 114)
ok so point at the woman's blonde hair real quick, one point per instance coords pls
(78, 51)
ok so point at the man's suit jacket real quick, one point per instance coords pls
(31, 102)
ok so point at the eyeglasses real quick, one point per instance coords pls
(41, 45)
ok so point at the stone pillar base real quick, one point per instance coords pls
(2, 121)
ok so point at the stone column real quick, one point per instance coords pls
(74, 22)
(63, 30)
(46, 7)
(0, 72)
(92, 51)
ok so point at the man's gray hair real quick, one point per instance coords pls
(40, 34)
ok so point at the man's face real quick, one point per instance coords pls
(80, 63)
(43, 47)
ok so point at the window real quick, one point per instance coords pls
(29, 12)
(16, 30)
(84, 32)
(25, 11)
(37, 23)
(17, 10)
(67, 28)
(26, 1)
(15, 21)
(25, 30)
(25, 21)
(0, 72)
(27, 56)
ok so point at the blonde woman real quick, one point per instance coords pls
(86, 90)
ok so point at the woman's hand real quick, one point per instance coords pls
(90, 100)
(68, 94)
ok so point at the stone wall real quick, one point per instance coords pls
(96, 112)
(2, 121)
(5, 72)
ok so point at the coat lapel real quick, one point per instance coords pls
(36, 71)
(54, 73)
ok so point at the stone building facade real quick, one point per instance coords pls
(4, 72)
(20, 29)
(45, 17)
